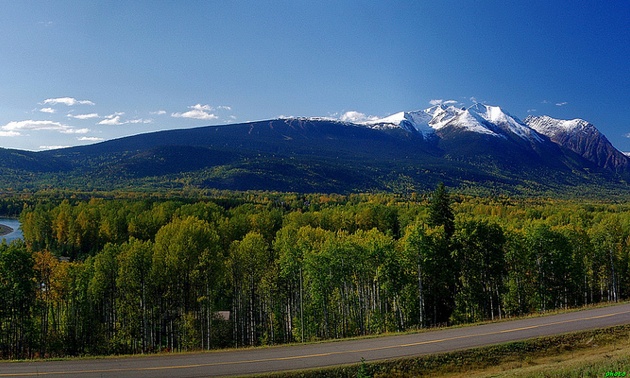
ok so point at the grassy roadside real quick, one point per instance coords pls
(581, 354)
(586, 363)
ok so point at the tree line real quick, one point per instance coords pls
(139, 276)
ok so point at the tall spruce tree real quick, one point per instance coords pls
(446, 269)
(440, 212)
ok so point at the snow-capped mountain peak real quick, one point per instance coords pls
(492, 114)
(410, 121)
(442, 115)
(479, 118)
(505, 121)
(551, 126)
(581, 137)
(468, 120)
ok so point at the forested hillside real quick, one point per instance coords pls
(308, 155)
(134, 275)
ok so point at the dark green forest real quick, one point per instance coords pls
(141, 275)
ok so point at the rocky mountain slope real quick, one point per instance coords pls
(582, 138)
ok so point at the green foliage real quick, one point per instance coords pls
(134, 293)
(480, 255)
(138, 275)
(17, 294)
(440, 212)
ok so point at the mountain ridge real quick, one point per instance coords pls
(583, 138)
(480, 146)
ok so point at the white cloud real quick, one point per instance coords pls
(14, 127)
(140, 120)
(531, 110)
(202, 107)
(561, 103)
(69, 101)
(115, 119)
(159, 112)
(47, 110)
(84, 116)
(112, 119)
(51, 147)
(90, 139)
(354, 116)
(75, 131)
(197, 112)
(223, 107)
(9, 133)
(442, 102)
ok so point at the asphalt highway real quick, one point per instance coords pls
(261, 360)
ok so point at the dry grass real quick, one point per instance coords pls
(593, 362)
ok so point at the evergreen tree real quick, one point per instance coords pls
(440, 212)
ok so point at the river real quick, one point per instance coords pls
(15, 225)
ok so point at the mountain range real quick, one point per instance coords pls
(476, 148)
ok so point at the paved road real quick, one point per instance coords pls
(241, 362)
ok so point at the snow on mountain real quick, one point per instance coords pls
(447, 123)
(479, 118)
(534, 137)
(583, 138)
(469, 120)
(442, 115)
(552, 127)
(410, 121)
(505, 121)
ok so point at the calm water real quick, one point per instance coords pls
(15, 225)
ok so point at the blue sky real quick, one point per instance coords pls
(77, 72)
